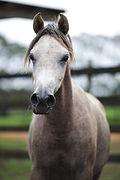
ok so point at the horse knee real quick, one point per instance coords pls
(36, 175)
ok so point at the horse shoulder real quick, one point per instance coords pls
(103, 134)
(83, 104)
(99, 112)
(84, 121)
(91, 104)
(103, 131)
(92, 116)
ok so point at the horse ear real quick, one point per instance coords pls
(63, 24)
(38, 23)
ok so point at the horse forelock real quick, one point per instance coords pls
(52, 30)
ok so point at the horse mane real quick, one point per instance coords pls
(52, 30)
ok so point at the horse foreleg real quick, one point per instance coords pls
(36, 174)
(86, 174)
(96, 177)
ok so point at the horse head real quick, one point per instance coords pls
(50, 52)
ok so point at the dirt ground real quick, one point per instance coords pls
(111, 171)
(13, 135)
(115, 137)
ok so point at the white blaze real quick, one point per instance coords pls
(48, 72)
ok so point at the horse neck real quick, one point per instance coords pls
(61, 115)
(64, 94)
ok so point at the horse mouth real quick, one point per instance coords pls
(42, 105)
(41, 110)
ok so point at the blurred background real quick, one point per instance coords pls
(95, 33)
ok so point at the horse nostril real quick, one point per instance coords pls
(34, 99)
(47, 102)
(50, 100)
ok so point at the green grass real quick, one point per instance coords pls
(14, 169)
(17, 144)
(12, 144)
(111, 172)
(16, 118)
(23, 118)
(20, 170)
(115, 147)
(113, 115)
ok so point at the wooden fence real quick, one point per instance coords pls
(86, 71)
(23, 154)
(23, 103)
(111, 100)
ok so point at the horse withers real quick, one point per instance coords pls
(69, 136)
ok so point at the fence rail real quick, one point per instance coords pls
(92, 71)
(23, 102)
(113, 128)
(77, 72)
(23, 154)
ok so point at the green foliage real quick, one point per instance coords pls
(116, 39)
(12, 98)
(116, 90)
(9, 49)
(14, 92)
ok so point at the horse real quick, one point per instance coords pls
(69, 136)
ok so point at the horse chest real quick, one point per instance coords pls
(69, 150)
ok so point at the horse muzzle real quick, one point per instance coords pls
(42, 105)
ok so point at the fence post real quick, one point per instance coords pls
(89, 77)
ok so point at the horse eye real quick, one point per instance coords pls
(65, 58)
(32, 58)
